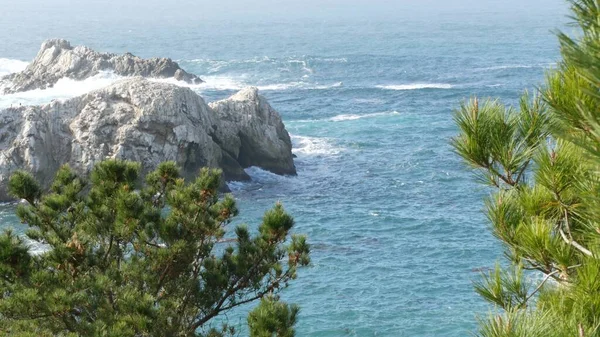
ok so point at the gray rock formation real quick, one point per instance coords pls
(58, 59)
(253, 133)
(149, 122)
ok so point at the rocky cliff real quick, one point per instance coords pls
(149, 122)
(58, 59)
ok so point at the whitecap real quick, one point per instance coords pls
(210, 83)
(328, 86)
(263, 176)
(221, 83)
(280, 86)
(64, 88)
(332, 59)
(516, 66)
(415, 86)
(350, 117)
(340, 118)
(216, 83)
(513, 66)
(258, 178)
(313, 146)
(9, 66)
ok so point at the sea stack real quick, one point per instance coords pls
(137, 118)
(57, 59)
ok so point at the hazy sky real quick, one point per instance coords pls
(236, 9)
(24, 24)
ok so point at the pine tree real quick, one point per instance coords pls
(542, 161)
(132, 259)
(273, 318)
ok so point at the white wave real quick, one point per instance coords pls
(332, 59)
(9, 66)
(63, 89)
(212, 61)
(280, 86)
(299, 85)
(323, 87)
(210, 83)
(220, 83)
(514, 66)
(217, 65)
(351, 117)
(313, 146)
(263, 176)
(517, 66)
(415, 86)
(217, 83)
(259, 178)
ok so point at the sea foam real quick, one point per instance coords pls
(9, 66)
(313, 146)
(259, 178)
(351, 117)
(224, 82)
(65, 88)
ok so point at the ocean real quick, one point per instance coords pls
(393, 216)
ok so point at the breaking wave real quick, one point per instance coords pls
(314, 146)
(9, 66)
(65, 88)
(415, 86)
(351, 117)
(222, 83)
(517, 66)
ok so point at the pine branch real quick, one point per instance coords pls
(569, 240)
(540, 285)
(220, 308)
(544, 281)
(575, 244)
(522, 171)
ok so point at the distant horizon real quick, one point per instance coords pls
(26, 24)
(239, 9)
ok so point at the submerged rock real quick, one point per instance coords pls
(58, 59)
(145, 121)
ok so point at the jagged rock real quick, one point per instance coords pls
(149, 122)
(58, 59)
(253, 133)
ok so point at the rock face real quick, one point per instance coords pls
(58, 59)
(253, 133)
(149, 122)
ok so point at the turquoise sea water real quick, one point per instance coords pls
(393, 217)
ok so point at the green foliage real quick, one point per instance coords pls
(543, 161)
(273, 319)
(505, 288)
(500, 141)
(131, 259)
(23, 185)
